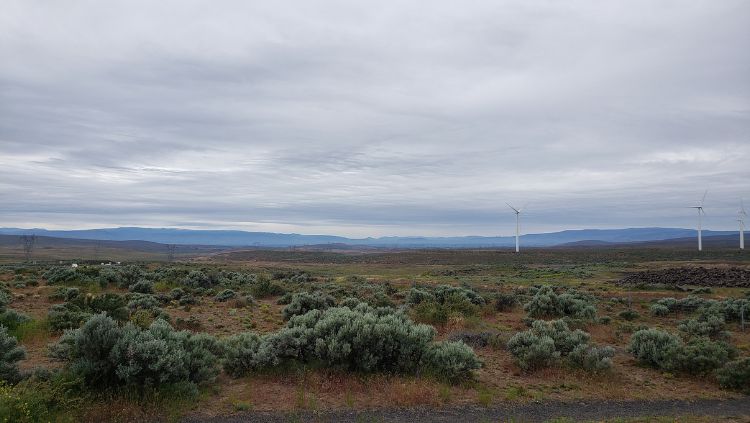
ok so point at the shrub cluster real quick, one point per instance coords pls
(546, 342)
(374, 294)
(363, 339)
(505, 302)
(592, 358)
(72, 313)
(181, 297)
(303, 302)
(730, 308)
(143, 287)
(417, 295)
(444, 301)
(199, 279)
(64, 293)
(735, 375)
(629, 314)
(445, 293)
(225, 295)
(265, 287)
(547, 303)
(106, 354)
(666, 351)
(10, 355)
(709, 323)
(9, 318)
(61, 275)
(123, 277)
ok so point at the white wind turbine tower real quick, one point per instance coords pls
(518, 223)
(701, 213)
(741, 218)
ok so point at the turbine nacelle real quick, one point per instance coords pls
(517, 211)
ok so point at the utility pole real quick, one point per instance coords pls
(171, 248)
(28, 242)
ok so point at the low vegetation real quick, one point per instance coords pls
(143, 334)
(547, 343)
(547, 303)
(666, 351)
(362, 338)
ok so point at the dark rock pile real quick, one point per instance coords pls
(695, 276)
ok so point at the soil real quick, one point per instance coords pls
(734, 277)
(737, 410)
(500, 391)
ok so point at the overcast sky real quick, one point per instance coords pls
(373, 118)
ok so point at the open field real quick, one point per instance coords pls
(387, 278)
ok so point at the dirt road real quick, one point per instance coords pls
(728, 410)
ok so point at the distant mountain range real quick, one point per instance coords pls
(270, 239)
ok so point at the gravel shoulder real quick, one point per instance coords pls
(736, 409)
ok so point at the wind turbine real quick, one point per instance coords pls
(518, 224)
(741, 218)
(701, 213)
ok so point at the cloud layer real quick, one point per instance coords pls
(382, 118)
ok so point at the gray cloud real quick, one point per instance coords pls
(395, 118)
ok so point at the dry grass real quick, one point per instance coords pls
(499, 381)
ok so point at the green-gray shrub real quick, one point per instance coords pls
(11, 319)
(591, 358)
(104, 354)
(416, 296)
(110, 276)
(655, 348)
(198, 279)
(505, 302)
(546, 302)
(659, 310)
(709, 323)
(264, 287)
(363, 339)
(629, 314)
(532, 351)
(350, 302)
(452, 361)
(225, 295)
(546, 342)
(143, 286)
(735, 375)
(565, 340)
(4, 298)
(159, 355)
(181, 296)
(700, 356)
(302, 302)
(10, 354)
(64, 293)
(139, 301)
(246, 352)
(88, 350)
(445, 293)
(61, 275)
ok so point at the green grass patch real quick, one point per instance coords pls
(31, 331)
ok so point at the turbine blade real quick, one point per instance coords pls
(514, 209)
(703, 200)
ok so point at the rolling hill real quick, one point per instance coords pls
(268, 239)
